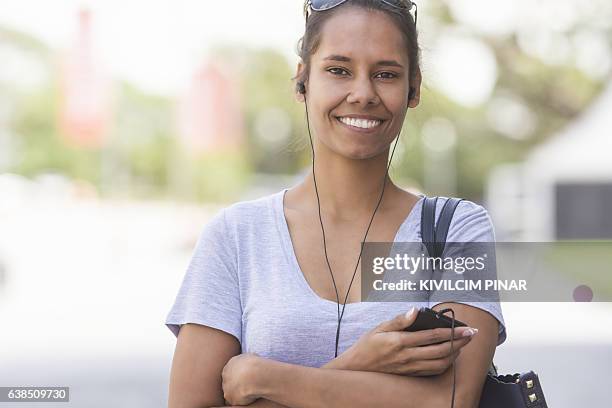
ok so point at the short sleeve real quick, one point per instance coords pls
(472, 223)
(209, 294)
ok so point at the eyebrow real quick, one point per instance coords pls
(389, 63)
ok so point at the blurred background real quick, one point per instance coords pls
(124, 125)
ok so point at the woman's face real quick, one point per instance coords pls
(360, 69)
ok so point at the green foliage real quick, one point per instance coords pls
(40, 146)
(218, 176)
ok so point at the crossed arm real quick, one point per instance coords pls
(204, 353)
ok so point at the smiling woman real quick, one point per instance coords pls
(257, 313)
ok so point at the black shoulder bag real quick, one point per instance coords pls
(499, 391)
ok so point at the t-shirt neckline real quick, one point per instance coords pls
(289, 250)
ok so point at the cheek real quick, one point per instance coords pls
(397, 100)
(324, 105)
(328, 90)
(398, 105)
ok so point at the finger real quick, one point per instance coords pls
(438, 366)
(433, 367)
(435, 336)
(400, 322)
(438, 351)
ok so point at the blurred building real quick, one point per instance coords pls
(85, 112)
(210, 116)
(563, 190)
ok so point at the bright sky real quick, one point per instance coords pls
(157, 44)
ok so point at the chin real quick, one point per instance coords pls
(361, 153)
(362, 149)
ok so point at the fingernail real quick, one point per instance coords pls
(410, 312)
(469, 332)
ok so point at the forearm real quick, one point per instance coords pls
(339, 362)
(306, 387)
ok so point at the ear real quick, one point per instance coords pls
(300, 69)
(415, 82)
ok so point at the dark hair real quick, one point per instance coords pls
(310, 41)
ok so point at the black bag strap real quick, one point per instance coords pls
(432, 235)
(428, 216)
(446, 216)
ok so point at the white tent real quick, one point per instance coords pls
(564, 187)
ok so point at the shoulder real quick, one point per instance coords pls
(255, 212)
(233, 228)
(243, 216)
(471, 222)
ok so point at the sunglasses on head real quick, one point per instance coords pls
(322, 5)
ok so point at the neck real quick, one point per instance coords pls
(350, 189)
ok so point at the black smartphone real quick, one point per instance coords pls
(430, 319)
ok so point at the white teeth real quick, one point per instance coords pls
(360, 123)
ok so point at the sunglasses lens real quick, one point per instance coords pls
(322, 5)
(404, 4)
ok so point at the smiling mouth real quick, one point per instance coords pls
(362, 125)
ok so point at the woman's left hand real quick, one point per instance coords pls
(239, 375)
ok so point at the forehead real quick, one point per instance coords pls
(362, 34)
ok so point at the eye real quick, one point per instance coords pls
(335, 70)
(392, 75)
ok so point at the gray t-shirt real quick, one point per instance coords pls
(244, 279)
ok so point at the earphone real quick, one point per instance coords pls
(301, 88)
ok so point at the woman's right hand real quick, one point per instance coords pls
(388, 348)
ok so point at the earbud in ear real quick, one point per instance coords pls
(411, 93)
(300, 87)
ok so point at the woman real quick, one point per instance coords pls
(257, 310)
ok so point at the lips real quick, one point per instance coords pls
(361, 125)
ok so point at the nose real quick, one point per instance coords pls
(363, 92)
